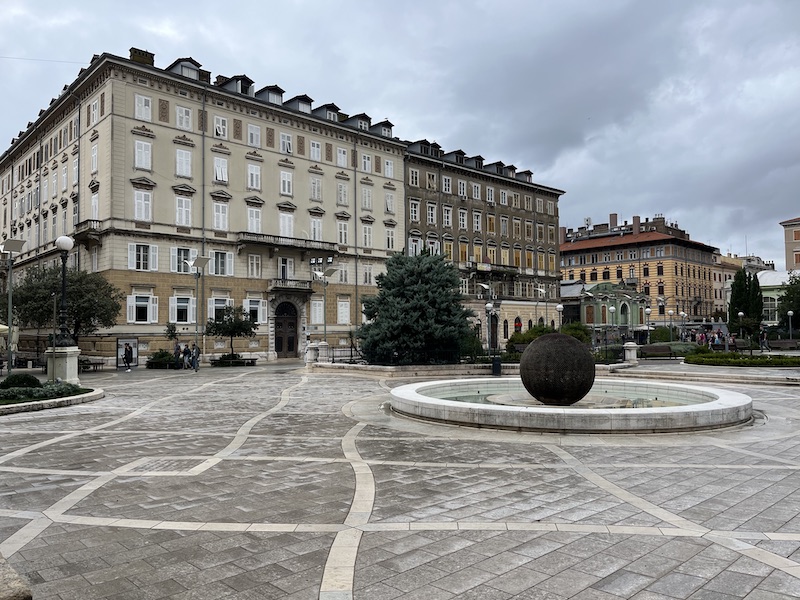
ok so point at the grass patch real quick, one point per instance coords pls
(16, 395)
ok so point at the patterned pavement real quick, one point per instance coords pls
(276, 482)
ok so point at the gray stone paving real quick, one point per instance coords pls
(275, 482)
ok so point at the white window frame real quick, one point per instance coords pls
(183, 211)
(152, 308)
(462, 188)
(315, 227)
(253, 177)
(183, 118)
(388, 198)
(447, 216)
(413, 211)
(388, 169)
(342, 232)
(341, 194)
(220, 169)
(254, 135)
(366, 163)
(144, 108)
(286, 183)
(341, 157)
(366, 198)
(315, 185)
(389, 238)
(221, 127)
(254, 266)
(476, 191)
(447, 184)
(183, 163)
(366, 235)
(315, 150)
(286, 143)
(143, 157)
(253, 219)
(93, 165)
(413, 177)
(286, 224)
(177, 256)
(220, 216)
(139, 254)
(221, 263)
(142, 205)
(343, 311)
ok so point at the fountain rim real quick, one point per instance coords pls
(720, 408)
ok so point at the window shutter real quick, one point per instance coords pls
(173, 309)
(131, 256)
(212, 264)
(193, 310)
(154, 258)
(210, 308)
(173, 263)
(153, 309)
(131, 309)
(229, 266)
(229, 302)
(192, 254)
(263, 314)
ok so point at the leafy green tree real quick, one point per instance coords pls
(526, 337)
(790, 301)
(417, 316)
(92, 302)
(171, 332)
(234, 323)
(746, 297)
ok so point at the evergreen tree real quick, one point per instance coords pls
(417, 316)
(92, 302)
(746, 297)
(790, 301)
(755, 301)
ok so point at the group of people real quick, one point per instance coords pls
(186, 358)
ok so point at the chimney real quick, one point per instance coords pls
(562, 235)
(637, 224)
(143, 57)
(612, 220)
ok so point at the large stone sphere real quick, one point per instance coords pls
(557, 369)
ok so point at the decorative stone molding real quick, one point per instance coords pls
(183, 141)
(143, 131)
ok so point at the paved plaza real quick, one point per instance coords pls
(277, 482)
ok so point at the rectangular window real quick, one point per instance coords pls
(490, 220)
(143, 107)
(254, 177)
(366, 198)
(221, 169)
(413, 177)
(94, 160)
(221, 263)
(341, 194)
(413, 211)
(551, 234)
(517, 229)
(142, 257)
(316, 151)
(253, 135)
(343, 311)
(447, 216)
(217, 306)
(462, 219)
(179, 259)
(182, 309)
(183, 163)
(253, 219)
(489, 195)
(220, 216)
(366, 163)
(539, 205)
(256, 309)
(183, 211)
(142, 155)
(286, 143)
(220, 127)
(94, 113)
(431, 214)
(286, 224)
(390, 239)
(341, 157)
(504, 226)
(476, 221)
(366, 238)
(503, 198)
(528, 203)
(515, 200)
(447, 185)
(142, 309)
(368, 274)
(462, 189)
(315, 225)
(389, 199)
(431, 181)
(315, 183)
(551, 207)
(388, 168)
(317, 311)
(286, 183)
(74, 171)
(254, 266)
(342, 230)
(476, 191)
(142, 205)
(183, 118)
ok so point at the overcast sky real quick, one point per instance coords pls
(685, 108)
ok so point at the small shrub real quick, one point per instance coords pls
(46, 392)
(20, 380)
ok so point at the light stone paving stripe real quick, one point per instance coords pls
(340, 567)
(25, 535)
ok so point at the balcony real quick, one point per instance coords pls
(291, 285)
(88, 232)
(277, 240)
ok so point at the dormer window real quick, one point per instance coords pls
(386, 131)
(478, 163)
(425, 150)
(188, 71)
(275, 98)
(363, 125)
(332, 116)
(304, 107)
(459, 159)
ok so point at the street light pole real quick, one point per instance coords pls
(741, 316)
(64, 243)
(198, 264)
(670, 313)
(10, 247)
(324, 275)
(560, 310)
(647, 312)
(790, 314)
(683, 326)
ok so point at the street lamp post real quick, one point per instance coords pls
(741, 316)
(64, 243)
(790, 314)
(647, 312)
(10, 247)
(324, 275)
(560, 311)
(198, 264)
(670, 313)
(683, 316)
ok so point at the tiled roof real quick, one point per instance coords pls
(795, 221)
(630, 239)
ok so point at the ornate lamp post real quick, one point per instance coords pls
(560, 311)
(491, 310)
(670, 313)
(64, 243)
(647, 312)
(741, 316)
(10, 247)
(198, 264)
(683, 316)
(790, 314)
(324, 276)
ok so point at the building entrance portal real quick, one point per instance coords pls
(286, 330)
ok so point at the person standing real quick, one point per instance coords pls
(178, 356)
(187, 357)
(127, 357)
(195, 357)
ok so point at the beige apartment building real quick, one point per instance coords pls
(791, 243)
(497, 225)
(148, 168)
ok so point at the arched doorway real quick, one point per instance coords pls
(286, 330)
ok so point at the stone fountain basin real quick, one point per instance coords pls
(696, 407)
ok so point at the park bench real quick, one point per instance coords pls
(656, 351)
(233, 362)
(783, 344)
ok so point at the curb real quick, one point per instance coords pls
(10, 409)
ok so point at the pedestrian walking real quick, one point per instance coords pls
(178, 354)
(195, 357)
(187, 357)
(127, 357)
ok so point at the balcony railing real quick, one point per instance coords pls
(303, 285)
(277, 240)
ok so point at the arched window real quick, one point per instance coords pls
(517, 325)
(505, 328)
(530, 323)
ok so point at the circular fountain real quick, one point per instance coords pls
(602, 406)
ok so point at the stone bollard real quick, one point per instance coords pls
(312, 352)
(12, 586)
(631, 353)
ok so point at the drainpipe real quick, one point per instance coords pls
(356, 232)
(201, 308)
